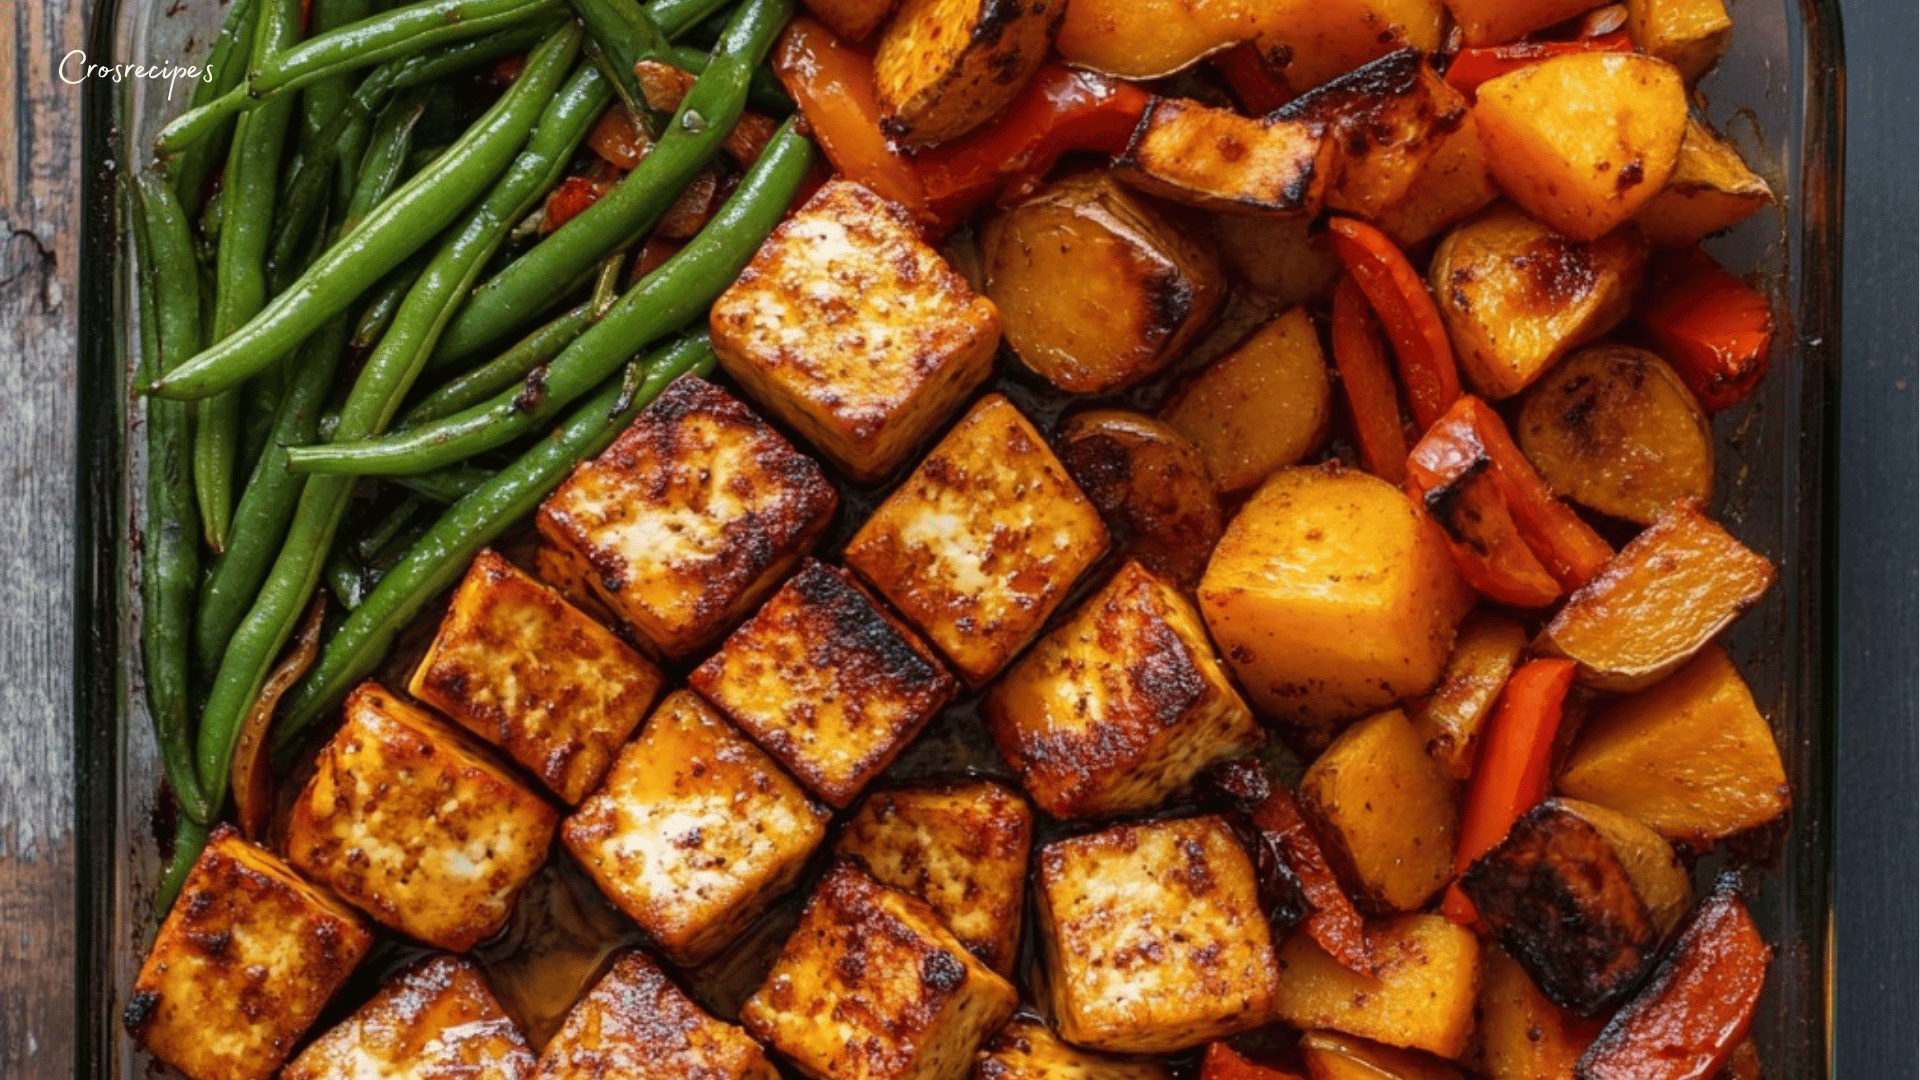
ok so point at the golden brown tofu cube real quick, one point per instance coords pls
(826, 682)
(1027, 1050)
(526, 671)
(851, 329)
(410, 820)
(695, 830)
(246, 959)
(437, 1018)
(962, 848)
(635, 1024)
(983, 541)
(1421, 998)
(1121, 705)
(1153, 937)
(871, 986)
(692, 515)
(944, 67)
(1219, 160)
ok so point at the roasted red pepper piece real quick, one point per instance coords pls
(1475, 66)
(1400, 298)
(1712, 327)
(1334, 924)
(1451, 474)
(1367, 384)
(1567, 546)
(1259, 89)
(1223, 1062)
(832, 83)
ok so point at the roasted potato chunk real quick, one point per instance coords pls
(1614, 429)
(1151, 486)
(408, 819)
(1146, 39)
(962, 848)
(1120, 706)
(437, 1018)
(1496, 22)
(1449, 720)
(1028, 1050)
(1384, 122)
(826, 682)
(694, 831)
(1453, 183)
(1390, 817)
(1223, 1062)
(871, 986)
(244, 962)
(1312, 43)
(1217, 159)
(1096, 288)
(944, 66)
(1153, 937)
(1265, 405)
(1690, 756)
(1330, 596)
(693, 514)
(1523, 1035)
(636, 1023)
(1331, 1056)
(1711, 189)
(1421, 997)
(1582, 141)
(1669, 592)
(852, 330)
(1689, 34)
(523, 669)
(1279, 258)
(1516, 296)
(983, 541)
(853, 20)
(1583, 897)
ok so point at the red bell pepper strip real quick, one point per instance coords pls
(1475, 66)
(1334, 924)
(1259, 90)
(1223, 1062)
(1413, 323)
(1372, 402)
(1510, 778)
(833, 84)
(1712, 327)
(1456, 481)
(1567, 546)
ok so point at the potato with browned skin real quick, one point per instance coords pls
(1711, 189)
(1216, 159)
(1689, 34)
(1494, 22)
(1451, 719)
(944, 67)
(1151, 486)
(1523, 1034)
(1266, 404)
(1453, 183)
(1312, 43)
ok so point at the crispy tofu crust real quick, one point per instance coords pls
(635, 1024)
(852, 330)
(691, 516)
(871, 986)
(437, 1019)
(695, 830)
(1027, 1050)
(1153, 937)
(243, 964)
(410, 821)
(945, 66)
(983, 541)
(520, 667)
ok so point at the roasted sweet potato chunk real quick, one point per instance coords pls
(1391, 819)
(1495, 22)
(1146, 39)
(1523, 1035)
(1711, 189)
(1421, 997)
(1219, 160)
(1453, 182)
(1384, 122)
(1450, 719)
(1332, 1056)
(1689, 34)
(1265, 405)
(944, 66)
(1151, 486)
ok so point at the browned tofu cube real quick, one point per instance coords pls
(246, 959)
(695, 829)
(983, 541)
(412, 822)
(526, 671)
(962, 848)
(692, 515)
(635, 1024)
(438, 1018)
(871, 986)
(851, 329)
(1121, 705)
(1153, 937)
(1027, 1050)
(826, 682)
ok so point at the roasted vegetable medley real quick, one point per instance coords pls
(943, 539)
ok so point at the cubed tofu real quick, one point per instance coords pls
(826, 682)
(635, 1024)
(692, 516)
(1028, 1050)
(437, 1018)
(523, 669)
(983, 541)
(1421, 998)
(1120, 706)
(695, 830)
(1217, 159)
(1153, 937)
(411, 821)
(943, 67)
(872, 986)
(244, 962)
(851, 329)
(961, 847)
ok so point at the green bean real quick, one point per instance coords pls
(169, 549)
(676, 17)
(627, 35)
(326, 98)
(376, 394)
(320, 104)
(379, 311)
(383, 532)
(447, 485)
(442, 554)
(345, 580)
(677, 293)
(189, 840)
(530, 284)
(228, 62)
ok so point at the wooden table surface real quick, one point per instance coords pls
(39, 226)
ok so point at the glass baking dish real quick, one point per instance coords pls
(1777, 95)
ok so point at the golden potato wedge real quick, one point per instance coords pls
(1582, 141)
(944, 66)
(1516, 295)
(1217, 159)
(1689, 34)
(1277, 257)
(852, 20)
(1614, 429)
(1453, 183)
(1496, 22)
(1147, 39)
(1668, 593)
(1312, 41)
(1263, 406)
(1390, 818)
(1097, 288)
(1711, 189)
(1332, 1056)
(1422, 997)
(1384, 122)
(1450, 719)
(1151, 487)
(1523, 1035)
(1690, 756)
